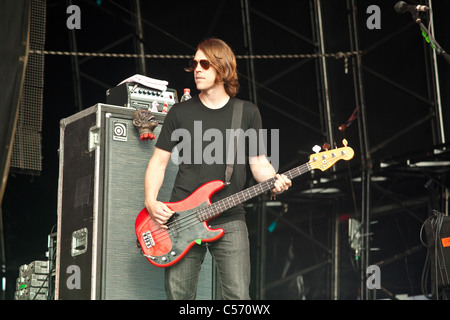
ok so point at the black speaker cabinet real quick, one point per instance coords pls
(100, 193)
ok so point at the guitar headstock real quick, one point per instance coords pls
(326, 159)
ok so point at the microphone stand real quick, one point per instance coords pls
(429, 38)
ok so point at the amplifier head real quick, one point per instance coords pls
(136, 96)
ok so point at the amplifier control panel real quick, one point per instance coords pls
(137, 96)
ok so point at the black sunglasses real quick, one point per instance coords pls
(203, 62)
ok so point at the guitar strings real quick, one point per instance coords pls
(192, 218)
(268, 184)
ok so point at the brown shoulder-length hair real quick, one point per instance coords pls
(223, 60)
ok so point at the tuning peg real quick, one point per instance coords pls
(316, 149)
(345, 142)
(326, 146)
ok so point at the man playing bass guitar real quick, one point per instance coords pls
(214, 70)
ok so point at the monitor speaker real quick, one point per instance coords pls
(100, 193)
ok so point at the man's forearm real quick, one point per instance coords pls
(261, 168)
(154, 176)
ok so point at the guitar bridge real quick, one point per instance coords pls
(148, 239)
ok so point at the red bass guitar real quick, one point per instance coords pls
(188, 225)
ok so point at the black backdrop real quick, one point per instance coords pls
(13, 52)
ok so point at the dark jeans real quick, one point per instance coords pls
(231, 255)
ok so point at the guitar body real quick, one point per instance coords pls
(165, 247)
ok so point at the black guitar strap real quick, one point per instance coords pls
(235, 124)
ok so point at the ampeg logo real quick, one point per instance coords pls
(140, 105)
(120, 131)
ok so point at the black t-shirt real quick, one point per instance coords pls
(200, 137)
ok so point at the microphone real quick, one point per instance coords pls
(402, 7)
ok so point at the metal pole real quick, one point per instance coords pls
(248, 43)
(75, 68)
(142, 68)
(260, 268)
(437, 92)
(324, 72)
(335, 276)
(364, 145)
(327, 126)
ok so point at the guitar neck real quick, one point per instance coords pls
(322, 161)
(229, 202)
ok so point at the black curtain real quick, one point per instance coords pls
(14, 32)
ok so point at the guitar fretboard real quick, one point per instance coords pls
(229, 202)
